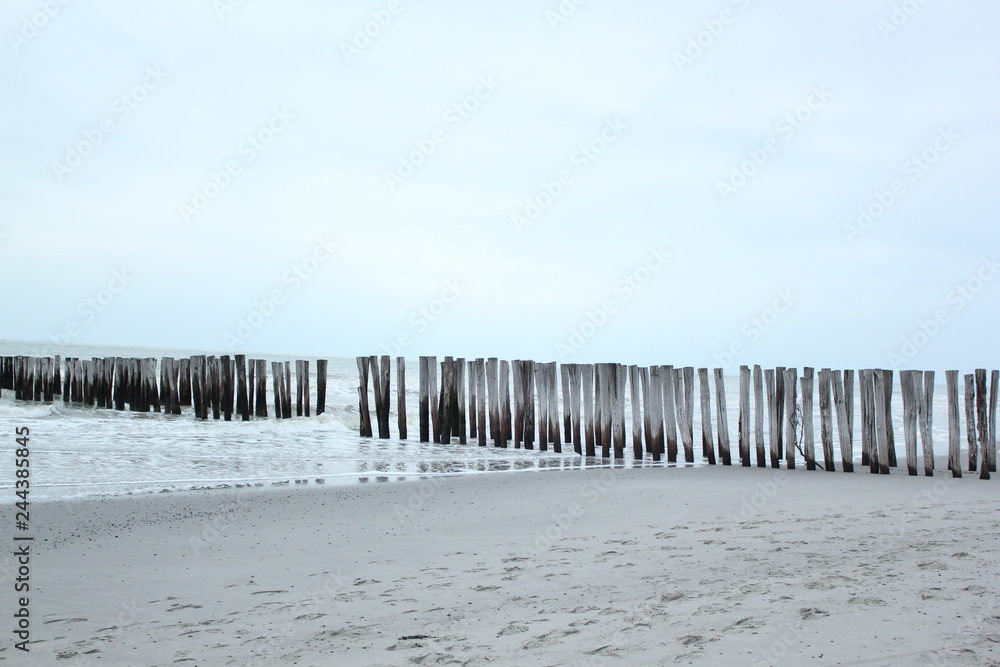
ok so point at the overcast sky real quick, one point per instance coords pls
(643, 182)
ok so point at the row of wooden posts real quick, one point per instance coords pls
(475, 394)
(225, 385)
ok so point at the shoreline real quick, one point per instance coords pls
(579, 567)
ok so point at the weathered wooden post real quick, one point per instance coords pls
(849, 402)
(564, 376)
(790, 385)
(970, 420)
(381, 398)
(299, 405)
(432, 391)
(196, 387)
(744, 418)
(925, 401)
(261, 407)
(541, 381)
(668, 375)
(227, 387)
(982, 425)
(881, 422)
(321, 365)
(474, 401)
(992, 439)
(779, 405)
(954, 426)
(401, 397)
(278, 382)
(687, 400)
(773, 426)
(906, 381)
(588, 383)
(655, 407)
(826, 418)
(365, 413)
(493, 398)
(620, 378)
(887, 380)
(637, 412)
(808, 419)
(286, 394)
(707, 441)
(242, 402)
(445, 401)
(572, 400)
(423, 404)
(554, 435)
(722, 421)
(481, 407)
(504, 392)
(844, 428)
(461, 382)
(759, 408)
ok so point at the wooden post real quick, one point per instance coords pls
(808, 420)
(881, 422)
(538, 372)
(653, 377)
(401, 397)
(564, 376)
(606, 371)
(504, 392)
(365, 413)
(261, 410)
(474, 400)
(722, 421)
(621, 377)
(954, 426)
(779, 404)
(687, 398)
(423, 404)
(668, 375)
(707, 441)
(982, 425)
(849, 403)
(790, 384)
(759, 410)
(970, 420)
(227, 388)
(462, 403)
(480, 366)
(906, 381)
(242, 399)
(518, 385)
(299, 404)
(890, 434)
(286, 395)
(432, 392)
(386, 371)
(321, 365)
(844, 428)
(492, 391)
(926, 414)
(773, 425)
(826, 419)
(445, 402)
(992, 439)
(587, 377)
(528, 378)
(637, 413)
(196, 387)
(574, 406)
(744, 419)
(865, 386)
(278, 382)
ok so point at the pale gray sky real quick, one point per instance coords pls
(640, 182)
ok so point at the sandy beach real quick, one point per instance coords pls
(690, 566)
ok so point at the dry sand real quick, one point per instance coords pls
(701, 566)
